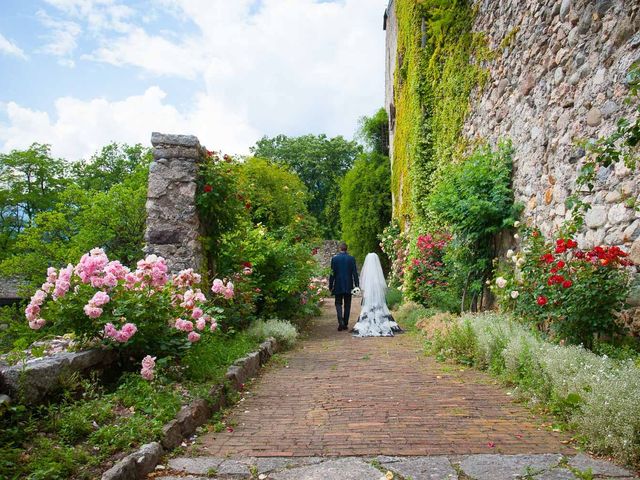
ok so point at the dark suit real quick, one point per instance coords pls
(344, 276)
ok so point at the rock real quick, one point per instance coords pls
(173, 140)
(266, 352)
(558, 75)
(249, 364)
(192, 416)
(613, 197)
(342, 468)
(505, 467)
(594, 117)
(610, 107)
(634, 253)
(147, 457)
(632, 232)
(623, 31)
(197, 465)
(598, 467)
(596, 216)
(236, 376)
(602, 6)
(564, 8)
(633, 299)
(502, 86)
(426, 468)
(42, 377)
(585, 20)
(528, 82)
(125, 469)
(579, 59)
(171, 435)
(620, 213)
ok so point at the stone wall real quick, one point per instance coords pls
(561, 79)
(391, 52)
(173, 227)
(326, 251)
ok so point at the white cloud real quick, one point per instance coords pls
(98, 14)
(61, 38)
(7, 47)
(79, 128)
(253, 67)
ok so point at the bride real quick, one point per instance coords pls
(375, 319)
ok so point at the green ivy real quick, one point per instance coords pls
(439, 65)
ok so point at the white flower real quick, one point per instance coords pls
(501, 282)
(520, 262)
(510, 253)
(515, 294)
(516, 224)
(516, 236)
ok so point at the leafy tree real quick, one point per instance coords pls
(320, 162)
(374, 132)
(365, 209)
(112, 165)
(30, 183)
(276, 195)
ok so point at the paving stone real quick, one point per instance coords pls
(506, 467)
(343, 469)
(426, 468)
(336, 397)
(197, 465)
(598, 467)
(556, 474)
(235, 467)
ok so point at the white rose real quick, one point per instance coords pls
(520, 262)
(515, 294)
(516, 236)
(516, 224)
(501, 282)
(509, 253)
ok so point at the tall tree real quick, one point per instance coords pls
(321, 163)
(30, 182)
(374, 132)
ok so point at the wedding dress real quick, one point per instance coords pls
(375, 319)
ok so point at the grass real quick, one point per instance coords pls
(77, 437)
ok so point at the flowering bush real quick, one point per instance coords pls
(395, 245)
(427, 268)
(560, 287)
(595, 394)
(142, 311)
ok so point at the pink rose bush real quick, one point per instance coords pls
(142, 310)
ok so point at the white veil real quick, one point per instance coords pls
(372, 282)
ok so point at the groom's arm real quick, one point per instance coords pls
(332, 278)
(356, 280)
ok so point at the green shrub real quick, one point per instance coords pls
(409, 313)
(595, 394)
(17, 335)
(284, 332)
(208, 360)
(394, 298)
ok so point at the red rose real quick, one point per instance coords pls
(207, 188)
(554, 270)
(542, 300)
(567, 283)
(580, 254)
(561, 249)
(547, 258)
(572, 244)
(560, 264)
(560, 242)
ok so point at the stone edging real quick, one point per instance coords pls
(138, 464)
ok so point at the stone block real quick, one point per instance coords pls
(634, 253)
(147, 457)
(596, 216)
(171, 435)
(125, 469)
(505, 467)
(249, 364)
(169, 139)
(192, 416)
(620, 213)
(599, 467)
(235, 375)
(427, 468)
(169, 152)
(265, 352)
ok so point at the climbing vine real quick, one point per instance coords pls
(439, 65)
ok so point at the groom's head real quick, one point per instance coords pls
(343, 247)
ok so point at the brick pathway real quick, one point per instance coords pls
(341, 396)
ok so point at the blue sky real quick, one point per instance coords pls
(78, 74)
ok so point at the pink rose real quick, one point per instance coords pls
(37, 323)
(193, 337)
(99, 299)
(201, 323)
(197, 313)
(91, 311)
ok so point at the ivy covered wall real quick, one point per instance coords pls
(438, 64)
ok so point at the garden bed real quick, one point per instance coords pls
(95, 425)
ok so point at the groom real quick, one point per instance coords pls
(344, 275)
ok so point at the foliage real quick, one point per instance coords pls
(395, 244)
(30, 181)
(560, 287)
(394, 298)
(594, 394)
(284, 332)
(374, 132)
(77, 437)
(474, 200)
(365, 207)
(77, 218)
(111, 166)
(276, 195)
(320, 162)
(16, 335)
(426, 275)
(142, 312)
(439, 64)
(410, 313)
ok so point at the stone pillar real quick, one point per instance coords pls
(173, 226)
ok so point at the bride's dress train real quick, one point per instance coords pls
(375, 320)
